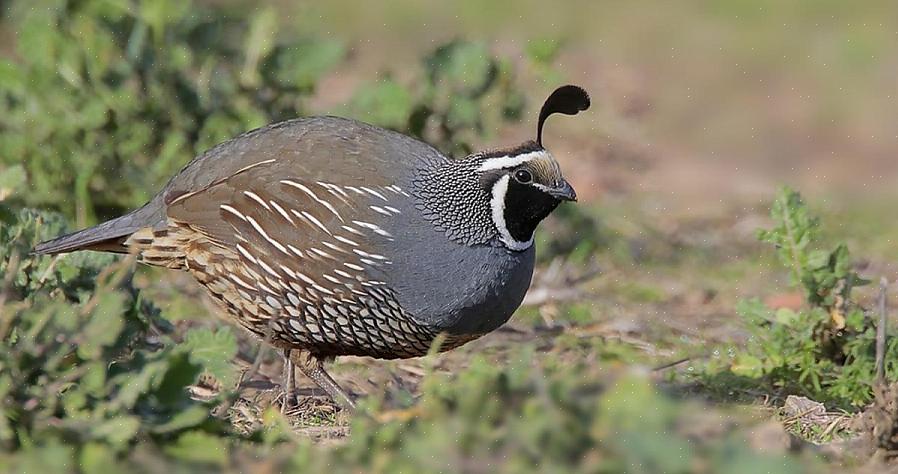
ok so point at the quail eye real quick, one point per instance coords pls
(523, 176)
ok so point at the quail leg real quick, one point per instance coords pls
(288, 385)
(313, 368)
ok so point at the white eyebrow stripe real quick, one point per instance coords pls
(509, 161)
(311, 194)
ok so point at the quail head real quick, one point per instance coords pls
(325, 236)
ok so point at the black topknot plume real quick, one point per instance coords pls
(568, 100)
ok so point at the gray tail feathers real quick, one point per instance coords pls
(108, 236)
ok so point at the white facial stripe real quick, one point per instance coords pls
(497, 204)
(503, 162)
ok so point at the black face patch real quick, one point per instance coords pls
(525, 207)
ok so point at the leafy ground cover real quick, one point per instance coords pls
(652, 340)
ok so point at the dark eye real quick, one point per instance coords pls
(523, 176)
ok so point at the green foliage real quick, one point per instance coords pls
(827, 349)
(462, 91)
(826, 277)
(109, 98)
(88, 369)
(521, 419)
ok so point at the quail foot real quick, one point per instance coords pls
(326, 237)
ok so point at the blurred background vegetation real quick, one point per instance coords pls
(660, 334)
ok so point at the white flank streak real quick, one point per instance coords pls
(316, 221)
(368, 262)
(373, 192)
(288, 271)
(282, 212)
(261, 231)
(240, 281)
(380, 210)
(503, 162)
(346, 241)
(334, 247)
(305, 278)
(354, 267)
(232, 211)
(268, 269)
(342, 274)
(255, 197)
(322, 253)
(355, 190)
(266, 288)
(241, 170)
(322, 289)
(369, 255)
(392, 209)
(333, 188)
(376, 229)
(245, 253)
(296, 251)
(331, 279)
(497, 204)
(352, 230)
(397, 190)
(311, 194)
(182, 197)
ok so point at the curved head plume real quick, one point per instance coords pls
(568, 100)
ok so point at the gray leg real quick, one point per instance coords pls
(314, 369)
(289, 382)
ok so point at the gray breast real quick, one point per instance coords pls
(450, 286)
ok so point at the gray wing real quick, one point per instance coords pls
(307, 223)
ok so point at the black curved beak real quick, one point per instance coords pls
(563, 192)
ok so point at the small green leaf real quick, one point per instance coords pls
(199, 447)
(213, 351)
(543, 51)
(116, 431)
(97, 458)
(12, 179)
(302, 64)
(104, 325)
(183, 419)
(384, 103)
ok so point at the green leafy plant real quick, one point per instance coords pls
(463, 91)
(107, 99)
(826, 350)
(88, 368)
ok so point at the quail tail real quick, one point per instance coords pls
(106, 237)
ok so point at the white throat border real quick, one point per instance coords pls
(497, 205)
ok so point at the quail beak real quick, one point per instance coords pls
(563, 192)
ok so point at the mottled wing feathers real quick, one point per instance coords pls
(310, 258)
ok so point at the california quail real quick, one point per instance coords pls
(326, 236)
